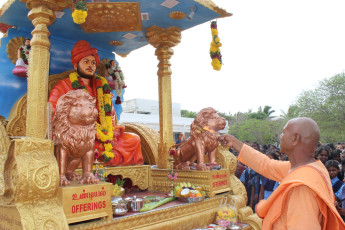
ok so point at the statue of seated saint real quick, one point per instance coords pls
(113, 146)
(22, 59)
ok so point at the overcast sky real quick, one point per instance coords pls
(272, 50)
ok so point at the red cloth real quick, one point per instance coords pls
(83, 49)
(126, 146)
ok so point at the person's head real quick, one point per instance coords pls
(333, 168)
(181, 136)
(272, 155)
(323, 154)
(84, 59)
(255, 146)
(300, 138)
(272, 147)
(26, 42)
(336, 155)
(342, 155)
(339, 146)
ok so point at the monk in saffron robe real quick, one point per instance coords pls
(304, 199)
(114, 146)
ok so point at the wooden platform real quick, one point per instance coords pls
(171, 216)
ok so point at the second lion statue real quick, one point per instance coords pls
(74, 130)
(204, 134)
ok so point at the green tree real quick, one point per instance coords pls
(262, 131)
(187, 113)
(262, 114)
(291, 113)
(326, 105)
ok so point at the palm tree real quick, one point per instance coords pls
(268, 111)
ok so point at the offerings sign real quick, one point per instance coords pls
(85, 202)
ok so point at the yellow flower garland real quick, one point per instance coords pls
(214, 49)
(105, 127)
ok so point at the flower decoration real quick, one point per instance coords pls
(172, 152)
(172, 175)
(80, 11)
(214, 49)
(24, 53)
(99, 171)
(105, 126)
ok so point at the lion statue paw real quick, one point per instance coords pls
(89, 178)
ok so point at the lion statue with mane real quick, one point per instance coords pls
(74, 130)
(204, 134)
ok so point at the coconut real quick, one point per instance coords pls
(185, 192)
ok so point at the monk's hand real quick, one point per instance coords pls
(226, 140)
(230, 141)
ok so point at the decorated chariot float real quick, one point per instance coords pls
(100, 182)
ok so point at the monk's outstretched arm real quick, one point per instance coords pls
(272, 169)
(262, 164)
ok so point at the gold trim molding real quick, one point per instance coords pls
(123, 55)
(212, 6)
(112, 17)
(12, 48)
(17, 119)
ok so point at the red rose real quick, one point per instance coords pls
(21, 48)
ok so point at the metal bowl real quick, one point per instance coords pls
(191, 199)
(134, 203)
(119, 207)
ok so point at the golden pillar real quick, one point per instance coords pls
(163, 39)
(41, 15)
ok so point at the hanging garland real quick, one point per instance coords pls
(80, 11)
(214, 49)
(105, 127)
(116, 73)
(24, 53)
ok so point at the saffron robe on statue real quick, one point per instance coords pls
(303, 200)
(126, 146)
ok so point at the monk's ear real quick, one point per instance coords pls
(296, 138)
(75, 65)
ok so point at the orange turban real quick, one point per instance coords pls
(83, 49)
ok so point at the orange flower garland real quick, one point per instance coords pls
(105, 127)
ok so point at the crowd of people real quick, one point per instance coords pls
(260, 188)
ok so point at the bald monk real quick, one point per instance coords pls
(115, 147)
(304, 199)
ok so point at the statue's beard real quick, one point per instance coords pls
(81, 74)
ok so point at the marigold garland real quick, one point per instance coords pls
(80, 12)
(105, 127)
(214, 49)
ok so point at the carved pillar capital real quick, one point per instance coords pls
(54, 5)
(158, 36)
(163, 39)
